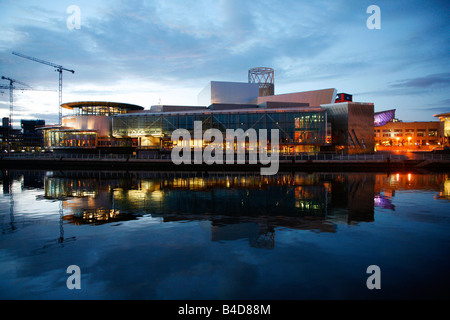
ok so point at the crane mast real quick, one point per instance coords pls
(58, 68)
(11, 96)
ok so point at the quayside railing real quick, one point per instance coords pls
(286, 157)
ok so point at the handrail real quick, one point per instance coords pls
(282, 156)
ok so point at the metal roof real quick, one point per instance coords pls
(215, 112)
(383, 117)
(81, 104)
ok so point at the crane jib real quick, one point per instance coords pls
(59, 68)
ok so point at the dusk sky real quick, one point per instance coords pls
(146, 52)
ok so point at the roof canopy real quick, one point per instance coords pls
(108, 104)
(442, 115)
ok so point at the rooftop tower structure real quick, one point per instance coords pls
(264, 77)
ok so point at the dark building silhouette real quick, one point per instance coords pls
(31, 137)
(19, 139)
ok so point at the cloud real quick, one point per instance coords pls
(170, 45)
(431, 81)
(436, 109)
(442, 106)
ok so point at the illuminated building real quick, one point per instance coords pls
(308, 122)
(302, 129)
(383, 117)
(444, 119)
(302, 119)
(400, 135)
(89, 129)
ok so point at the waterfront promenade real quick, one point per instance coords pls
(333, 162)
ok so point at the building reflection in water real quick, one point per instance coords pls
(233, 205)
(387, 185)
(237, 206)
(444, 192)
(90, 199)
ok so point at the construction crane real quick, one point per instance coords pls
(11, 89)
(58, 68)
(11, 95)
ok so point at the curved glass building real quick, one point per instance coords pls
(89, 128)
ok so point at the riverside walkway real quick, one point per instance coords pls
(364, 162)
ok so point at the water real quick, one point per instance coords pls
(146, 235)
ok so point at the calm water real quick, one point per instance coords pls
(144, 235)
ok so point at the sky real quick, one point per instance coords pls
(166, 51)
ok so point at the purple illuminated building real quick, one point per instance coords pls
(383, 117)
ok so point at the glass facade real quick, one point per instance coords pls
(295, 127)
(70, 139)
(89, 127)
(97, 111)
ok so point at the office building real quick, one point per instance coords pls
(31, 136)
(408, 136)
(28, 138)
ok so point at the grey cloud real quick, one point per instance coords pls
(420, 86)
(187, 43)
(430, 81)
(435, 109)
(442, 106)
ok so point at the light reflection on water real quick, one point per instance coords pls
(148, 235)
